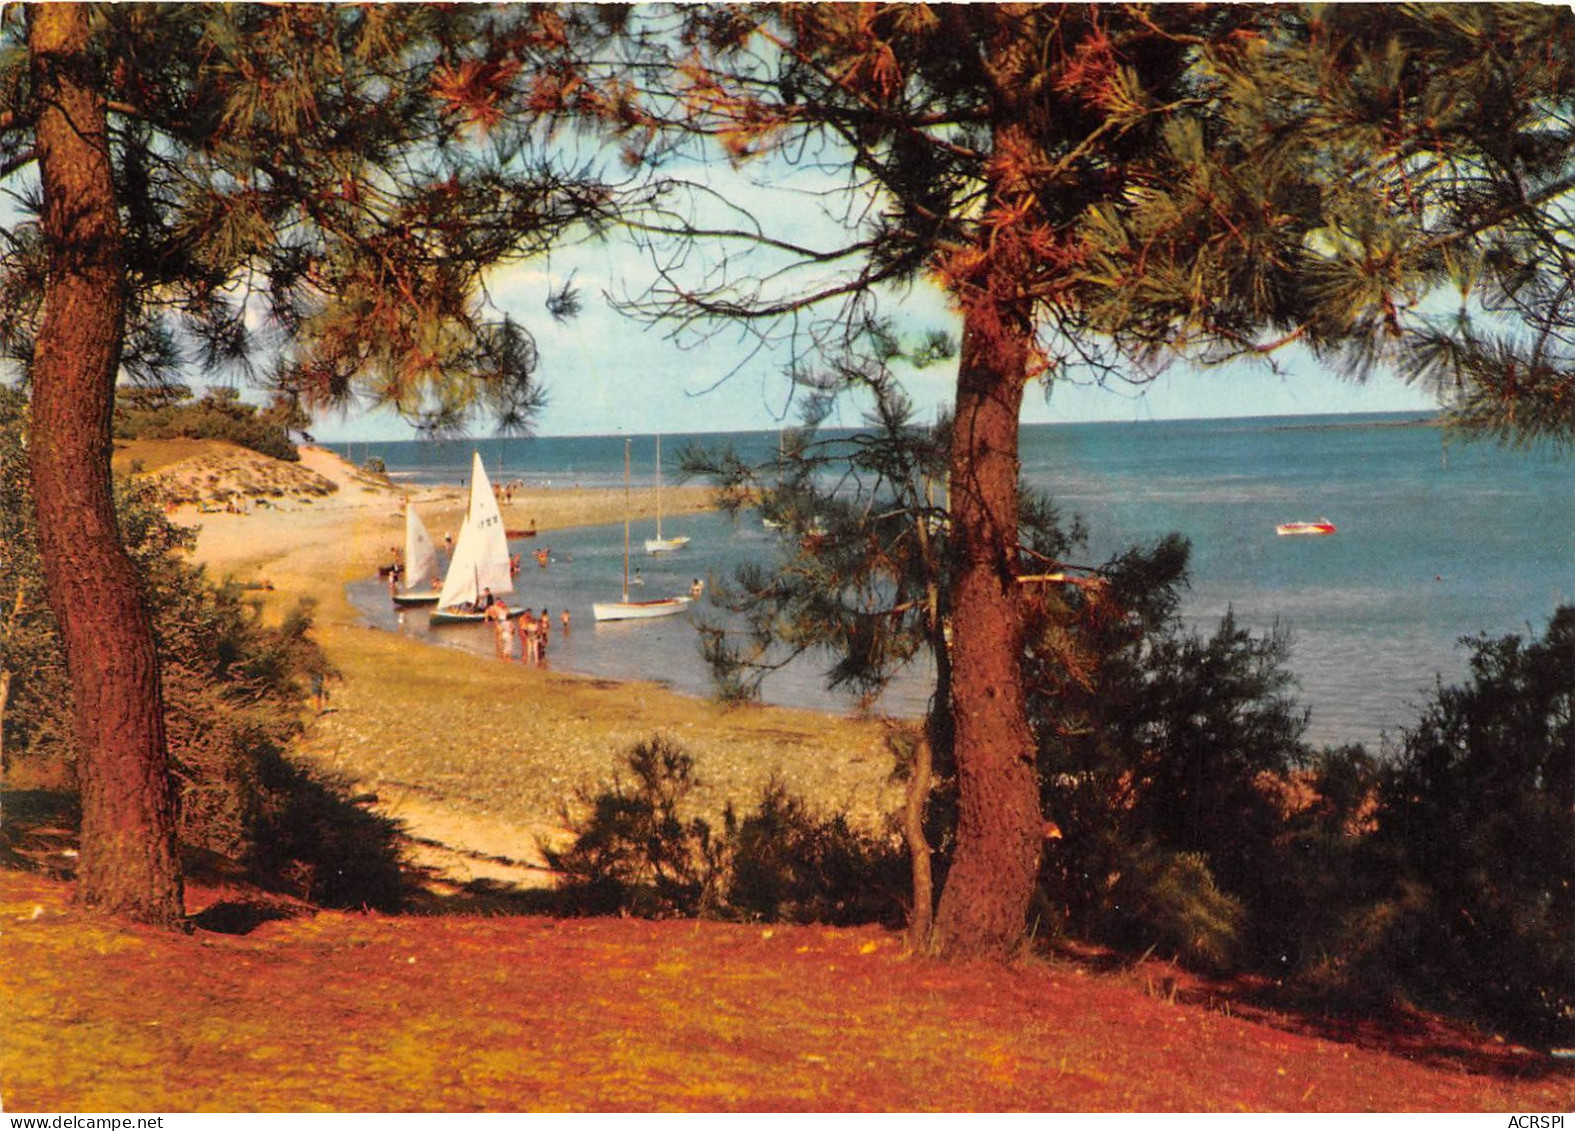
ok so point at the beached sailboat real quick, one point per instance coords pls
(627, 609)
(481, 557)
(660, 545)
(420, 572)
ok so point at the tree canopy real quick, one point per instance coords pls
(311, 198)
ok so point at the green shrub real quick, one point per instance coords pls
(310, 840)
(787, 864)
(1477, 828)
(1169, 900)
(638, 850)
(234, 696)
(220, 414)
(635, 851)
(1157, 748)
(1320, 870)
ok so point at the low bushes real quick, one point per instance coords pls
(639, 850)
(234, 696)
(166, 413)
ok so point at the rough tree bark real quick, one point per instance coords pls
(984, 904)
(128, 864)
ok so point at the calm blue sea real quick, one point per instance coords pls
(1436, 541)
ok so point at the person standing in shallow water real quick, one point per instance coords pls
(528, 630)
(498, 614)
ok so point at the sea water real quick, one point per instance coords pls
(1437, 540)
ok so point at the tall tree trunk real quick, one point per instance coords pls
(128, 863)
(984, 904)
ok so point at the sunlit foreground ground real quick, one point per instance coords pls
(365, 1012)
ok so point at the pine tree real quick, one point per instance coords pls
(1098, 190)
(974, 140)
(336, 174)
(861, 577)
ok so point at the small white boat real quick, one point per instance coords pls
(627, 609)
(1322, 526)
(639, 610)
(420, 573)
(481, 557)
(660, 545)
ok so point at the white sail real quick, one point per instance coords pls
(421, 564)
(481, 556)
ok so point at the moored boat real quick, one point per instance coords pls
(626, 609)
(420, 573)
(639, 610)
(1322, 526)
(660, 545)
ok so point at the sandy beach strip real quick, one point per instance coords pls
(478, 756)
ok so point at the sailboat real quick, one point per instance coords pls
(481, 557)
(660, 545)
(421, 567)
(627, 609)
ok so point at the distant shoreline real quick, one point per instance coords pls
(1315, 420)
(1361, 425)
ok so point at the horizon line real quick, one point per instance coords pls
(1419, 414)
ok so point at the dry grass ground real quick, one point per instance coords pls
(344, 1012)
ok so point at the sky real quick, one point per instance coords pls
(605, 373)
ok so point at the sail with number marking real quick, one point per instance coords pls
(481, 555)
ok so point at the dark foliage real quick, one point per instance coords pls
(634, 852)
(1159, 750)
(1477, 821)
(311, 840)
(789, 865)
(639, 851)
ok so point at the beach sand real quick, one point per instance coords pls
(477, 757)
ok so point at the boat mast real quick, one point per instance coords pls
(658, 486)
(626, 521)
